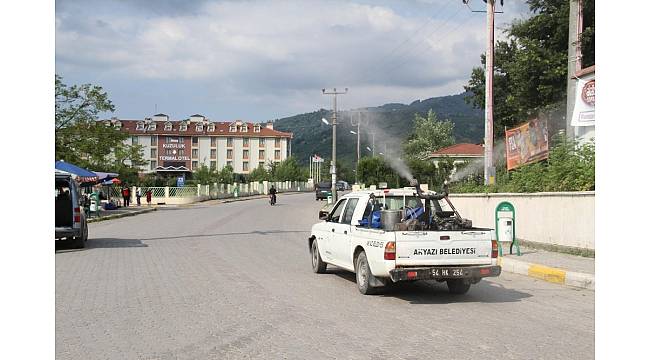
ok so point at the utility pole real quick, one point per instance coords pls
(333, 168)
(489, 170)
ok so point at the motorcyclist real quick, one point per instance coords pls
(273, 191)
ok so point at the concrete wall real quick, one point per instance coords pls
(565, 218)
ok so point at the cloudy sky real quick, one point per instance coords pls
(261, 60)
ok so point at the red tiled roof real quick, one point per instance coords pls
(220, 129)
(460, 150)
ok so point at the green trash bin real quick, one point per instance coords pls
(95, 204)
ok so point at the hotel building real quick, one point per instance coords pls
(184, 145)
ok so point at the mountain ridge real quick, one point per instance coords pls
(312, 136)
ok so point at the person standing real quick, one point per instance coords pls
(138, 195)
(148, 195)
(126, 194)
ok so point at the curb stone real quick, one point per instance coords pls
(117, 216)
(549, 274)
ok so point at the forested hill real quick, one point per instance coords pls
(312, 136)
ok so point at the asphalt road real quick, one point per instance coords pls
(234, 281)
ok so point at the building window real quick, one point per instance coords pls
(229, 163)
(245, 154)
(199, 127)
(118, 125)
(245, 166)
(213, 141)
(277, 143)
(195, 141)
(213, 164)
(262, 141)
(261, 155)
(232, 128)
(229, 154)
(139, 126)
(261, 164)
(152, 126)
(182, 127)
(134, 140)
(168, 139)
(169, 152)
(154, 140)
(256, 128)
(168, 126)
(213, 153)
(229, 142)
(195, 165)
(277, 154)
(195, 153)
(154, 153)
(245, 140)
(244, 128)
(152, 165)
(181, 152)
(211, 127)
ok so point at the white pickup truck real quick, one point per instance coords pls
(407, 234)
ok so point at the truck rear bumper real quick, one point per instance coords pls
(63, 232)
(445, 272)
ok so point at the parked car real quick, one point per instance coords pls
(69, 218)
(342, 185)
(323, 190)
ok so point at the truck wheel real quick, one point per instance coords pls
(363, 275)
(317, 264)
(458, 286)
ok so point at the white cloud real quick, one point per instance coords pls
(286, 47)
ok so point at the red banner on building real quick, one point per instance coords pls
(526, 143)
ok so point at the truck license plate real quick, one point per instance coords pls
(447, 272)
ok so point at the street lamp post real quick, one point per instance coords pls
(333, 168)
(357, 133)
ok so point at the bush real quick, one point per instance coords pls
(569, 167)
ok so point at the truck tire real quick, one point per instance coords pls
(79, 242)
(458, 286)
(363, 275)
(317, 263)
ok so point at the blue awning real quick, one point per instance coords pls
(104, 176)
(83, 175)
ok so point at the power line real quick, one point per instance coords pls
(391, 52)
(429, 47)
(370, 76)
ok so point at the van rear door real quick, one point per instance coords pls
(422, 248)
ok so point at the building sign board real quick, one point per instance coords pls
(174, 151)
(584, 110)
(526, 143)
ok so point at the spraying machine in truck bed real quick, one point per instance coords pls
(407, 234)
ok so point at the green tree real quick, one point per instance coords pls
(373, 170)
(530, 66)
(81, 139)
(226, 175)
(259, 174)
(205, 175)
(429, 134)
(288, 170)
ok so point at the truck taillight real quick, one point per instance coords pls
(389, 251)
(495, 249)
(77, 215)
